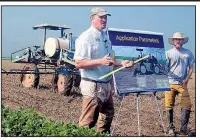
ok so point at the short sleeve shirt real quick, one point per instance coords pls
(93, 44)
(178, 62)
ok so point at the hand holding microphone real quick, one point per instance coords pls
(107, 60)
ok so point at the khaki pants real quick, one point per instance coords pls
(97, 105)
(183, 95)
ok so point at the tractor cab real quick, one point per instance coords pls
(52, 27)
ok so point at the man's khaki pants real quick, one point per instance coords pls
(97, 105)
(183, 95)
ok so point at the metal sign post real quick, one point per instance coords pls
(138, 114)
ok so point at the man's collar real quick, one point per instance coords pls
(96, 30)
(181, 48)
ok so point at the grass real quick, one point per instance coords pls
(5, 58)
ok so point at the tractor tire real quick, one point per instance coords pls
(64, 84)
(143, 69)
(77, 80)
(156, 70)
(30, 80)
(54, 82)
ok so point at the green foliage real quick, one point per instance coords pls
(27, 122)
(6, 58)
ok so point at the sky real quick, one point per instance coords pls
(17, 22)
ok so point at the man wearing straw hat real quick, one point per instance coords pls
(94, 57)
(180, 63)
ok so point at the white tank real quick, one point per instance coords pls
(53, 44)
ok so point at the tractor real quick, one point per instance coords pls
(149, 66)
(55, 57)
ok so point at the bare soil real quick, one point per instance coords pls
(67, 108)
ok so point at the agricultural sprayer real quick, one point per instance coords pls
(54, 57)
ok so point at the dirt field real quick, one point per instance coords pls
(68, 108)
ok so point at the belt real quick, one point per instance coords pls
(87, 79)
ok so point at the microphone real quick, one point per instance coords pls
(105, 41)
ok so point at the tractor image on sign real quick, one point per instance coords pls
(55, 55)
(149, 66)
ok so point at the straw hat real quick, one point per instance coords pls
(178, 35)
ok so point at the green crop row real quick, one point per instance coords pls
(27, 122)
(5, 58)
